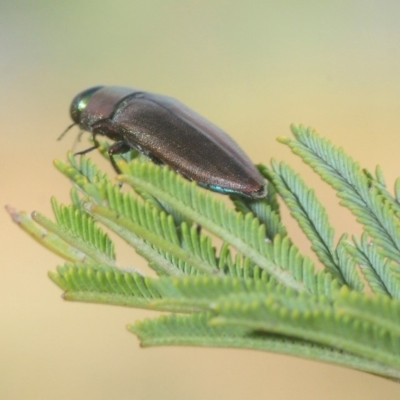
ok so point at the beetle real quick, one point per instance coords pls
(167, 132)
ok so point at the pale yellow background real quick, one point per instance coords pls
(252, 67)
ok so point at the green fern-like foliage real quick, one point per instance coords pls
(254, 289)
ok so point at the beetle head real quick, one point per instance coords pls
(80, 102)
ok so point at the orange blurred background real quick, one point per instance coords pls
(250, 67)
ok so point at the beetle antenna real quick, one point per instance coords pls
(68, 128)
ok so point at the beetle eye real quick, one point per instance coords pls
(80, 102)
(138, 95)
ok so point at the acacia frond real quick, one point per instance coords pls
(102, 284)
(197, 330)
(77, 223)
(357, 191)
(244, 232)
(267, 211)
(309, 213)
(233, 270)
(295, 316)
(377, 270)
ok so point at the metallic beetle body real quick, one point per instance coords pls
(168, 133)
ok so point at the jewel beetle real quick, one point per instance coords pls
(169, 133)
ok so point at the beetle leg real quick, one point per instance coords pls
(96, 145)
(117, 148)
(80, 153)
(155, 160)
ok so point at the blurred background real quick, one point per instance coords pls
(252, 68)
